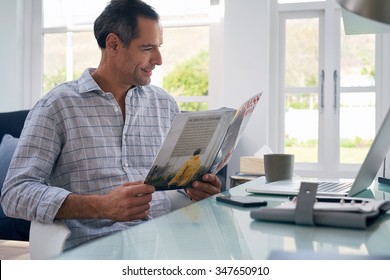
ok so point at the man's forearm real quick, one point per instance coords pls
(78, 206)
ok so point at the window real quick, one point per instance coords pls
(301, 88)
(327, 84)
(69, 46)
(357, 96)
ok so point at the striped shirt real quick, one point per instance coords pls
(75, 141)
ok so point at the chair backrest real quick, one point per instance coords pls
(12, 123)
(47, 240)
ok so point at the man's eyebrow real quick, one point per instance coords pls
(150, 45)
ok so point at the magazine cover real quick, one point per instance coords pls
(198, 143)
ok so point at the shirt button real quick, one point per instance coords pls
(126, 164)
(124, 137)
(116, 109)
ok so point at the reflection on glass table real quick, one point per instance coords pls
(213, 230)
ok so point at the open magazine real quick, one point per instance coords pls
(199, 143)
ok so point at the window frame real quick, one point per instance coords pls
(380, 88)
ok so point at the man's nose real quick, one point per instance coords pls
(157, 58)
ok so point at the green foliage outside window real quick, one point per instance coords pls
(50, 82)
(190, 78)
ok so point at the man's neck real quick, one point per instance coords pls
(109, 84)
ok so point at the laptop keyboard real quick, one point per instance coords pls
(333, 186)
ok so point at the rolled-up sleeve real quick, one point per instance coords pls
(27, 193)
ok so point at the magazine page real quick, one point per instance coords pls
(189, 149)
(233, 135)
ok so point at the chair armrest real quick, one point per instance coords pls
(178, 199)
(47, 240)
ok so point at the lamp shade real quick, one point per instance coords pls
(378, 10)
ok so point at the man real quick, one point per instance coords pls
(88, 144)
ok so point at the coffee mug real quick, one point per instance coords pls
(278, 167)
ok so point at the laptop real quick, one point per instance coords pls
(367, 172)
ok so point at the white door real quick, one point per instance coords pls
(327, 91)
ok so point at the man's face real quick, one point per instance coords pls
(137, 61)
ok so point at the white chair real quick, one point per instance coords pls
(47, 240)
(178, 199)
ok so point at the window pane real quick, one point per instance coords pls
(301, 126)
(60, 13)
(54, 60)
(357, 62)
(181, 10)
(357, 125)
(79, 47)
(186, 61)
(357, 109)
(86, 52)
(301, 116)
(302, 52)
(193, 106)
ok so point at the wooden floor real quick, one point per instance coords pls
(14, 250)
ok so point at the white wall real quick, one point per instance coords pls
(245, 70)
(11, 55)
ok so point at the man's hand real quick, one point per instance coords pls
(202, 189)
(127, 202)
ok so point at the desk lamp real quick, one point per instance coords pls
(378, 11)
(366, 16)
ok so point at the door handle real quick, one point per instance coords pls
(322, 91)
(335, 77)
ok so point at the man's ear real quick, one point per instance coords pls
(112, 42)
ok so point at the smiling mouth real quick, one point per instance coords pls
(148, 71)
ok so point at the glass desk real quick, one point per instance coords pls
(241, 178)
(213, 230)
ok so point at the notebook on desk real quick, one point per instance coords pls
(367, 172)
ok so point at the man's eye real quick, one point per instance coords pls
(147, 49)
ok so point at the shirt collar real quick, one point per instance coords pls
(87, 84)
